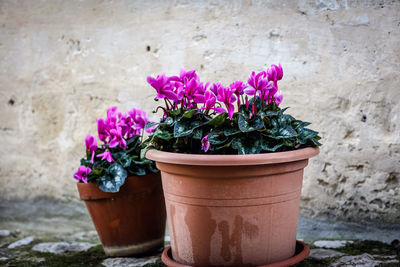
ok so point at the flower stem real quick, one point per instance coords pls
(262, 101)
(166, 103)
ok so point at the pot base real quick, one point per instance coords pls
(302, 252)
(123, 251)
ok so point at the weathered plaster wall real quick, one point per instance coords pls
(62, 63)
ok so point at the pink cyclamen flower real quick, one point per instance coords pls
(257, 82)
(268, 92)
(82, 173)
(194, 90)
(210, 103)
(91, 145)
(117, 138)
(125, 122)
(112, 117)
(163, 86)
(139, 120)
(102, 130)
(215, 86)
(226, 96)
(275, 73)
(188, 75)
(279, 71)
(278, 98)
(205, 144)
(106, 155)
(238, 89)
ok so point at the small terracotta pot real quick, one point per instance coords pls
(131, 221)
(232, 210)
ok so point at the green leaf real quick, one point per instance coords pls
(168, 121)
(142, 162)
(300, 124)
(118, 155)
(285, 120)
(137, 170)
(237, 144)
(97, 172)
(315, 142)
(197, 133)
(140, 171)
(304, 134)
(247, 145)
(218, 120)
(125, 161)
(270, 147)
(113, 179)
(231, 131)
(228, 144)
(133, 140)
(164, 134)
(287, 132)
(100, 164)
(289, 142)
(150, 124)
(85, 162)
(271, 113)
(280, 112)
(253, 146)
(186, 127)
(152, 167)
(182, 128)
(175, 113)
(282, 128)
(217, 139)
(188, 114)
(250, 125)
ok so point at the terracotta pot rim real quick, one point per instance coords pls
(91, 191)
(302, 252)
(232, 160)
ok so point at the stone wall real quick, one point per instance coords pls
(62, 63)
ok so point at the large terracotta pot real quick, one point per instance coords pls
(131, 221)
(232, 210)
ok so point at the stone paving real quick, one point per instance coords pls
(60, 234)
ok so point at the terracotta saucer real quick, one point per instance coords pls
(302, 252)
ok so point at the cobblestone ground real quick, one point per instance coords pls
(45, 233)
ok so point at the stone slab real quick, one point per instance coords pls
(320, 253)
(130, 262)
(331, 243)
(61, 247)
(4, 233)
(363, 260)
(22, 242)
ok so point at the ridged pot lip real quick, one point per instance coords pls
(232, 160)
(91, 191)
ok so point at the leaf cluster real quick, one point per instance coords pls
(110, 176)
(270, 130)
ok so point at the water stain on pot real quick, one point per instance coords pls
(200, 218)
(235, 239)
(172, 210)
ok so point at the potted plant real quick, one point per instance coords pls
(231, 162)
(122, 192)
